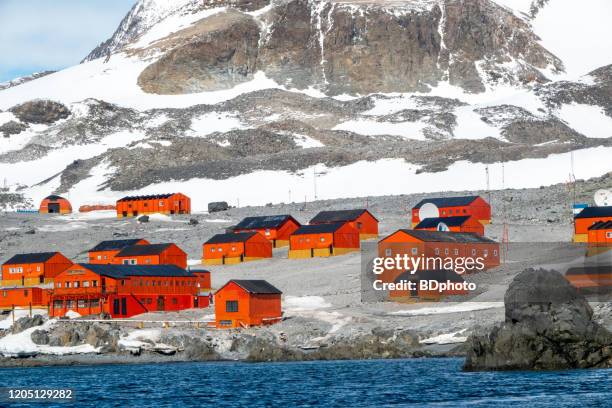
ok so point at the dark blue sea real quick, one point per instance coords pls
(375, 383)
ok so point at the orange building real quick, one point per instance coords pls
(600, 233)
(323, 240)
(436, 246)
(427, 292)
(440, 207)
(232, 248)
(105, 251)
(587, 218)
(246, 303)
(33, 269)
(152, 254)
(276, 228)
(590, 278)
(169, 204)
(459, 223)
(128, 290)
(361, 219)
(23, 297)
(55, 204)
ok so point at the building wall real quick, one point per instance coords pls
(64, 206)
(106, 257)
(257, 247)
(366, 225)
(253, 309)
(34, 273)
(172, 255)
(175, 204)
(228, 250)
(581, 227)
(479, 209)
(602, 236)
(23, 297)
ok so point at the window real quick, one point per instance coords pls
(267, 231)
(443, 212)
(105, 257)
(233, 248)
(94, 283)
(94, 303)
(25, 293)
(322, 239)
(81, 304)
(148, 261)
(174, 301)
(69, 304)
(445, 251)
(212, 249)
(58, 304)
(388, 252)
(122, 282)
(609, 234)
(58, 284)
(456, 252)
(38, 269)
(437, 251)
(231, 305)
(85, 284)
(68, 284)
(485, 253)
(77, 284)
(225, 323)
(359, 225)
(153, 284)
(4, 293)
(415, 251)
(464, 211)
(473, 252)
(495, 252)
(99, 257)
(161, 203)
(450, 212)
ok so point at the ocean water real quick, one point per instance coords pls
(374, 383)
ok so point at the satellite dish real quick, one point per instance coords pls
(603, 198)
(428, 210)
(443, 227)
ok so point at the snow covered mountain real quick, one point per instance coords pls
(258, 101)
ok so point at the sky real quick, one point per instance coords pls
(39, 35)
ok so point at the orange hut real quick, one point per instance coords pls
(441, 207)
(232, 248)
(361, 219)
(152, 254)
(128, 290)
(423, 286)
(105, 251)
(323, 240)
(461, 223)
(592, 278)
(276, 228)
(246, 303)
(23, 297)
(55, 204)
(600, 233)
(588, 217)
(33, 268)
(169, 204)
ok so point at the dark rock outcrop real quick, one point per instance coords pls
(25, 323)
(548, 326)
(12, 128)
(40, 111)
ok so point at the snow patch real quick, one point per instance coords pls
(446, 338)
(215, 122)
(7, 322)
(302, 303)
(456, 308)
(366, 127)
(589, 120)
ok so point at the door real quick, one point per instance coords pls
(160, 303)
(196, 302)
(116, 309)
(124, 213)
(331, 249)
(312, 252)
(124, 306)
(54, 208)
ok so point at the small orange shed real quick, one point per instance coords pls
(55, 204)
(422, 287)
(169, 204)
(588, 217)
(152, 254)
(361, 219)
(105, 251)
(463, 223)
(323, 240)
(23, 297)
(246, 303)
(276, 228)
(34, 268)
(232, 248)
(474, 206)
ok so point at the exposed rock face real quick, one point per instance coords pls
(12, 128)
(548, 326)
(27, 322)
(359, 47)
(40, 112)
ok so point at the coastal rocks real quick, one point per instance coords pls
(40, 111)
(548, 325)
(25, 323)
(98, 335)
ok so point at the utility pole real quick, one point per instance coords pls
(314, 178)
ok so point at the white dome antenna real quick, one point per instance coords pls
(428, 210)
(603, 198)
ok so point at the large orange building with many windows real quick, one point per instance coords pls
(169, 204)
(128, 290)
(473, 206)
(105, 251)
(246, 303)
(361, 219)
(33, 268)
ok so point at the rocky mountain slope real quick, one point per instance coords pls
(213, 98)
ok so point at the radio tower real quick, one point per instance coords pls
(505, 240)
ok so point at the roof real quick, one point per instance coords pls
(601, 225)
(257, 286)
(448, 201)
(115, 244)
(54, 197)
(590, 270)
(231, 237)
(455, 221)
(136, 250)
(146, 197)
(446, 236)
(37, 257)
(594, 212)
(440, 275)
(318, 229)
(325, 217)
(122, 271)
(265, 221)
